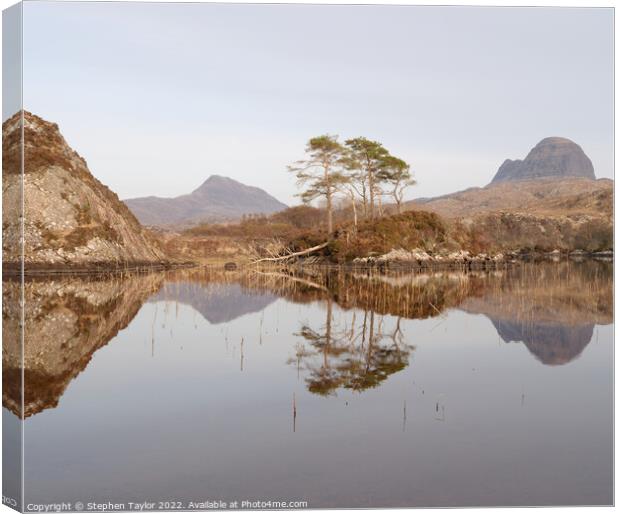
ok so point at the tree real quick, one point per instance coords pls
(355, 179)
(347, 188)
(396, 172)
(321, 172)
(367, 157)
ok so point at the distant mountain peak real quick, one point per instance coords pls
(214, 179)
(218, 198)
(556, 157)
(219, 181)
(555, 140)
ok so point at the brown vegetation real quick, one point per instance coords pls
(413, 229)
(299, 228)
(286, 224)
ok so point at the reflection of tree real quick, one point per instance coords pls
(350, 356)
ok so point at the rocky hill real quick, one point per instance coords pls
(540, 196)
(217, 199)
(70, 218)
(550, 200)
(542, 214)
(552, 157)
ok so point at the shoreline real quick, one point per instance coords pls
(417, 260)
(14, 269)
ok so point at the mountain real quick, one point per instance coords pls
(552, 157)
(556, 178)
(70, 218)
(217, 199)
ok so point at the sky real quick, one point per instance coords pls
(157, 97)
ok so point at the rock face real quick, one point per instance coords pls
(70, 218)
(552, 157)
(217, 199)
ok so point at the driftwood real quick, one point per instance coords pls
(291, 255)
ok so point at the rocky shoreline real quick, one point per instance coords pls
(420, 259)
(396, 259)
(13, 269)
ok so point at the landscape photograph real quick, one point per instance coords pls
(297, 256)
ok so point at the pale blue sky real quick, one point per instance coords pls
(157, 97)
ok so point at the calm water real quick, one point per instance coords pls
(340, 389)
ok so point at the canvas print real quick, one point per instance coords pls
(298, 256)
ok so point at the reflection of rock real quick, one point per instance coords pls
(218, 303)
(67, 320)
(552, 344)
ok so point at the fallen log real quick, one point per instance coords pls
(291, 255)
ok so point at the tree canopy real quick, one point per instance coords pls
(359, 169)
(320, 173)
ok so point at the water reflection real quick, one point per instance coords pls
(67, 320)
(351, 356)
(551, 309)
(217, 302)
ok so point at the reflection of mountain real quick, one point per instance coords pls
(67, 320)
(551, 343)
(551, 309)
(218, 303)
